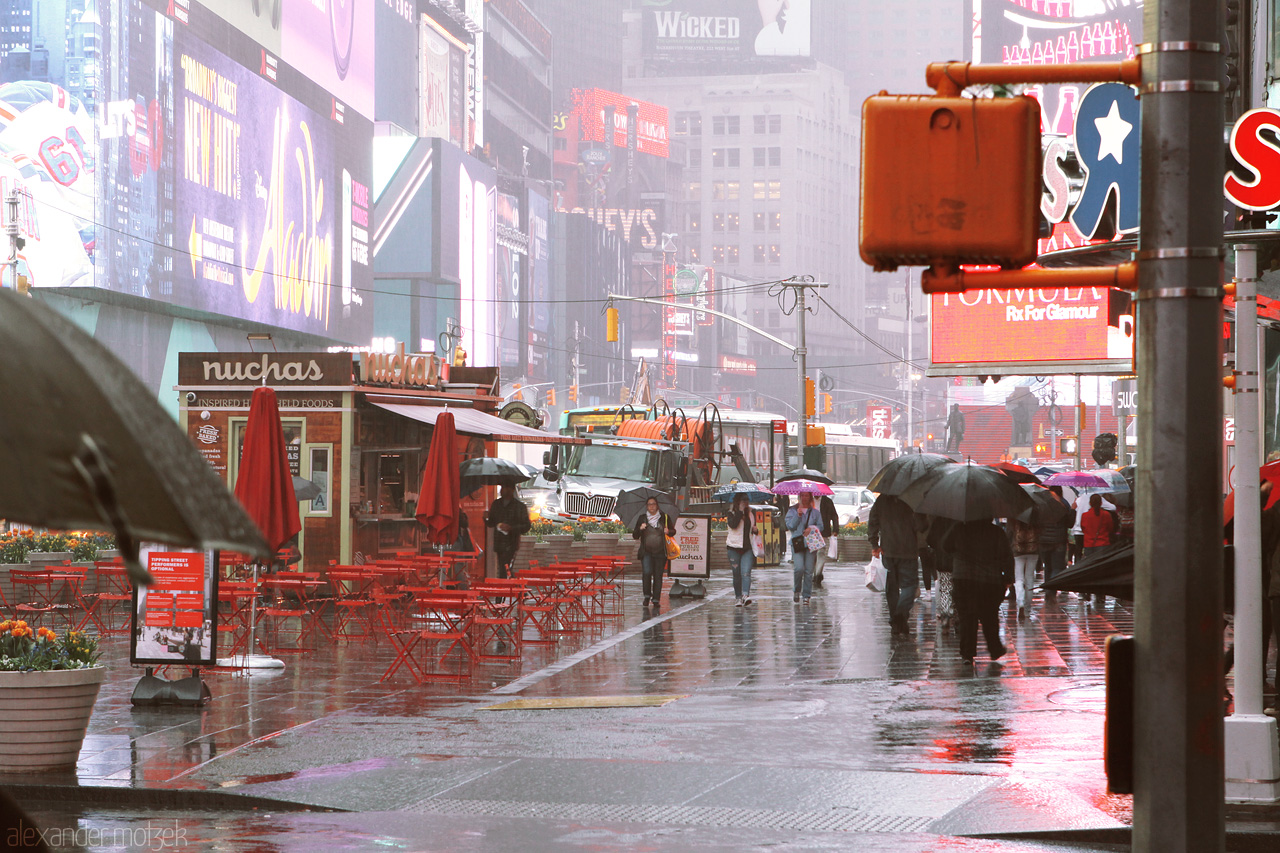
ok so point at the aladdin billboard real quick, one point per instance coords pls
(179, 175)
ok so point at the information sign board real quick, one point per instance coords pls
(693, 534)
(173, 619)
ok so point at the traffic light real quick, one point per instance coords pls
(809, 401)
(573, 393)
(1067, 446)
(1104, 447)
(459, 357)
(517, 391)
(611, 324)
(550, 398)
(826, 403)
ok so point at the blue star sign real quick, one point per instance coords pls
(1106, 142)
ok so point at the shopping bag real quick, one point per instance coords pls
(833, 547)
(673, 548)
(813, 539)
(876, 575)
(757, 545)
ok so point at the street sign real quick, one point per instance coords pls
(779, 427)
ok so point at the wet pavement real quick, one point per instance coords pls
(792, 727)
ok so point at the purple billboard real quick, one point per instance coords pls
(331, 42)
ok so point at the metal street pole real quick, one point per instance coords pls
(1178, 749)
(1252, 758)
(911, 421)
(802, 419)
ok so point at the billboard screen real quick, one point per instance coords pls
(396, 40)
(468, 202)
(651, 120)
(204, 186)
(1032, 331)
(510, 251)
(539, 327)
(332, 43)
(725, 29)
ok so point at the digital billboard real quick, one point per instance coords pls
(725, 29)
(651, 120)
(1032, 331)
(468, 201)
(539, 327)
(511, 250)
(260, 20)
(442, 83)
(396, 63)
(332, 43)
(176, 174)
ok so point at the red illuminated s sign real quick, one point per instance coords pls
(1260, 158)
(879, 421)
(1026, 328)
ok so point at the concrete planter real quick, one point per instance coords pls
(39, 558)
(853, 550)
(43, 717)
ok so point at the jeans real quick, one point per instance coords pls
(1024, 577)
(1055, 560)
(652, 566)
(741, 561)
(978, 603)
(901, 584)
(803, 572)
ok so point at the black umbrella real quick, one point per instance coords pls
(88, 446)
(1108, 571)
(1047, 507)
(902, 471)
(304, 489)
(806, 474)
(967, 492)
(492, 471)
(632, 502)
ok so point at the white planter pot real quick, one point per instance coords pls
(43, 717)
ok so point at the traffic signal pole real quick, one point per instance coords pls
(1178, 802)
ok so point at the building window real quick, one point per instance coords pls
(775, 189)
(758, 157)
(758, 123)
(775, 318)
(775, 253)
(775, 156)
(688, 124)
(717, 190)
(758, 219)
(717, 254)
(775, 221)
(731, 221)
(695, 158)
(725, 125)
(731, 158)
(731, 190)
(717, 221)
(758, 190)
(695, 190)
(759, 255)
(717, 125)
(695, 254)
(775, 124)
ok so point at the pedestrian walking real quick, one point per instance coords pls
(1026, 553)
(1098, 527)
(509, 518)
(1052, 537)
(742, 559)
(893, 530)
(783, 503)
(652, 529)
(943, 601)
(830, 527)
(800, 518)
(981, 571)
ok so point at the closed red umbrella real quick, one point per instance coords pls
(265, 483)
(440, 493)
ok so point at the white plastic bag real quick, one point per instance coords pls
(833, 547)
(757, 544)
(876, 575)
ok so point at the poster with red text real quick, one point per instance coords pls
(173, 618)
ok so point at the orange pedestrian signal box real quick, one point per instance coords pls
(949, 181)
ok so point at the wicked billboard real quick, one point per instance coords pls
(182, 176)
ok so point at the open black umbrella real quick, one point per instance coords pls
(1108, 571)
(304, 489)
(1047, 507)
(492, 471)
(806, 474)
(967, 492)
(902, 471)
(88, 446)
(631, 503)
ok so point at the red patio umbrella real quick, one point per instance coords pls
(439, 495)
(265, 483)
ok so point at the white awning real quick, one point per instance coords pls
(472, 422)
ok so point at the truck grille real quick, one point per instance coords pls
(600, 506)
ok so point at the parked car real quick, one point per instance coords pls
(853, 503)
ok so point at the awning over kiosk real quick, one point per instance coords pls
(480, 424)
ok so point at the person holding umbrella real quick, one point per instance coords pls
(830, 527)
(652, 528)
(742, 559)
(1051, 532)
(800, 518)
(893, 530)
(509, 518)
(981, 571)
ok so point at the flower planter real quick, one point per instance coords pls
(38, 559)
(601, 544)
(853, 550)
(43, 717)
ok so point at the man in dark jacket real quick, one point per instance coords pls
(893, 531)
(1052, 536)
(830, 527)
(509, 518)
(981, 571)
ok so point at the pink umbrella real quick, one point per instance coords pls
(1076, 480)
(439, 496)
(795, 487)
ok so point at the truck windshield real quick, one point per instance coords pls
(621, 463)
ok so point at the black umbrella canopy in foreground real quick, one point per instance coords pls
(492, 471)
(967, 492)
(1109, 571)
(902, 471)
(87, 445)
(1047, 507)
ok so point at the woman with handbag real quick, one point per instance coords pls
(652, 529)
(741, 547)
(804, 544)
